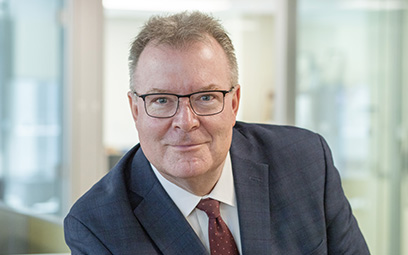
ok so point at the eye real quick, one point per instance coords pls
(161, 100)
(207, 97)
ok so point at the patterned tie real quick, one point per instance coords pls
(221, 240)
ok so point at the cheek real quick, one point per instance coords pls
(150, 129)
(222, 132)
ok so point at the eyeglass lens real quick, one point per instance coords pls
(202, 103)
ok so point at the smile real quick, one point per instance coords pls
(187, 147)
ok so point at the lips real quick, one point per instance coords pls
(187, 147)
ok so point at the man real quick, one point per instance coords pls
(277, 188)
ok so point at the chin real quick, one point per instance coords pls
(189, 169)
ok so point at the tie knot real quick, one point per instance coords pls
(210, 206)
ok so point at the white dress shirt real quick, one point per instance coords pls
(224, 191)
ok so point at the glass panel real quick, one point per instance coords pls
(404, 146)
(349, 87)
(31, 41)
(31, 105)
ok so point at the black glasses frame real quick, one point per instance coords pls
(224, 92)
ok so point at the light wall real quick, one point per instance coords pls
(119, 130)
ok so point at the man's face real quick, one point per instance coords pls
(185, 146)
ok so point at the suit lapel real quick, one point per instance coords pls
(252, 190)
(252, 186)
(159, 216)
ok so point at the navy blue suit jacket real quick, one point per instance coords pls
(290, 201)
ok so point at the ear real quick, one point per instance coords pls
(133, 105)
(235, 99)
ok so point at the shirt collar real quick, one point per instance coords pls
(224, 190)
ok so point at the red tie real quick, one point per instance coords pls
(221, 240)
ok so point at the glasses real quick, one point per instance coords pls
(203, 103)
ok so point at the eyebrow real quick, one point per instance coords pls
(157, 90)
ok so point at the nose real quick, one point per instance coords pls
(185, 118)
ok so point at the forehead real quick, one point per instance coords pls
(162, 66)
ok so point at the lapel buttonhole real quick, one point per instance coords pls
(253, 178)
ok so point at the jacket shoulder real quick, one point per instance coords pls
(274, 134)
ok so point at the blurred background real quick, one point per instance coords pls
(339, 68)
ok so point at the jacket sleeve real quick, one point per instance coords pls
(80, 239)
(343, 233)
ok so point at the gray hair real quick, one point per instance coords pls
(178, 30)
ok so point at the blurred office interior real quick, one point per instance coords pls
(336, 67)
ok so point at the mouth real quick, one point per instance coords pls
(187, 147)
